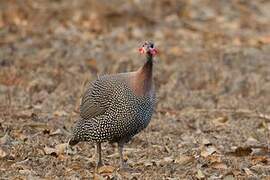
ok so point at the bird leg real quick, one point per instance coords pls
(123, 164)
(98, 152)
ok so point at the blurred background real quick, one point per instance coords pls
(212, 76)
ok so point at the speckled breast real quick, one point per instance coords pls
(129, 113)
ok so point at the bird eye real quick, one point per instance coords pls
(151, 45)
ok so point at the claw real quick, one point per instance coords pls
(99, 164)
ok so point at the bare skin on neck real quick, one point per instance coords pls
(141, 80)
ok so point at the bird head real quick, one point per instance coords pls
(148, 48)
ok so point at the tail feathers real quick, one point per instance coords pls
(73, 141)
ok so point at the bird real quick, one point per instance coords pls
(116, 107)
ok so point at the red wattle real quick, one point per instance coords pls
(141, 50)
(154, 52)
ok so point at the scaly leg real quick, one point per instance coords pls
(98, 152)
(123, 164)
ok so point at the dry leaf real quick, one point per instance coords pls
(76, 166)
(114, 155)
(57, 132)
(25, 171)
(62, 157)
(219, 165)
(259, 159)
(260, 169)
(2, 153)
(220, 121)
(208, 150)
(60, 113)
(148, 164)
(18, 135)
(106, 169)
(206, 142)
(168, 159)
(50, 151)
(183, 159)
(61, 148)
(24, 114)
(248, 172)
(229, 177)
(200, 174)
(214, 159)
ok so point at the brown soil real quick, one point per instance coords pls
(212, 74)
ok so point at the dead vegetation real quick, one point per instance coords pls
(213, 78)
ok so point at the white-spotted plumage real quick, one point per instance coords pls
(116, 107)
(116, 112)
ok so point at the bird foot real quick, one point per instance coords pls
(125, 167)
(99, 164)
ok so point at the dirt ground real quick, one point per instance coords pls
(212, 74)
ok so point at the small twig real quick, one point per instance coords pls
(22, 162)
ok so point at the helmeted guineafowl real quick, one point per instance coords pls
(117, 107)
